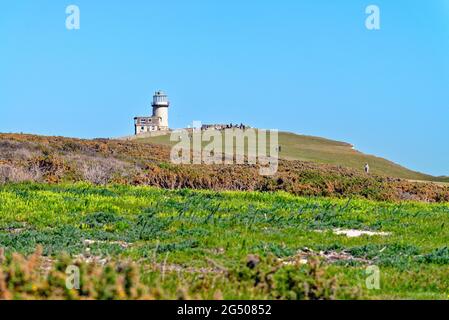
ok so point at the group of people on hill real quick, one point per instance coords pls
(224, 126)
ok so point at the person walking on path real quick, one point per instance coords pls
(367, 168)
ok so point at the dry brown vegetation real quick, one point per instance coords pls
(102, 161)
(38, 277)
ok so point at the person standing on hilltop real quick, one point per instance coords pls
(367, 168)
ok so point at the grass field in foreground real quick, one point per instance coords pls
(196, 243)
(321, 150)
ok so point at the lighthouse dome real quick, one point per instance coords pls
(160, 99)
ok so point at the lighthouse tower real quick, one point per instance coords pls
(160, 109)
(158, 122)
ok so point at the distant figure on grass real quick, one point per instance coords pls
(367, 168)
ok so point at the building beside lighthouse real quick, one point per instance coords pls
(159, 119)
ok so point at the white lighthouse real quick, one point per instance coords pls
(160, 109)
(159, 120)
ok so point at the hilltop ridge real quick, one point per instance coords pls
(327, 151)
(107, 161)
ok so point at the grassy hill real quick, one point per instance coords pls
(104, 161)
(320, 150)
(140, 227)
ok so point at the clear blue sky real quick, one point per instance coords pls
(305, 66)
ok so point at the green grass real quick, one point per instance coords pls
(198, 230)
(315, 149)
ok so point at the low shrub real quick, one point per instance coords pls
(37, 277)
(295, 281)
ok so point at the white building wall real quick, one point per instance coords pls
(161, 112)
(146, 128)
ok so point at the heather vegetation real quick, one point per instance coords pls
(101, 162)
